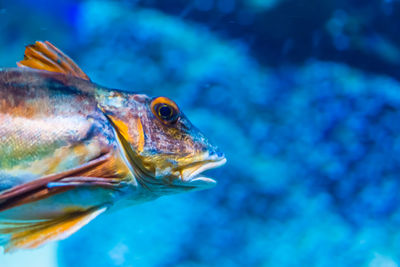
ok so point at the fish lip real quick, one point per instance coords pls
(195, 179)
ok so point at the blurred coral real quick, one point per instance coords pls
(312, 146)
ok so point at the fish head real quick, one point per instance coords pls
(167, 153)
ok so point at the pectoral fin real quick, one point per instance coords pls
(45, 56)
(102, 172)
(25, 235)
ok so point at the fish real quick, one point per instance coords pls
(71, 149)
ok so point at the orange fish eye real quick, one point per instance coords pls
(165, 109)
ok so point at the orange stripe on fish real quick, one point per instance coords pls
(140, 142)
(121, 127)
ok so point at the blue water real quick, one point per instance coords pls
(302, 96)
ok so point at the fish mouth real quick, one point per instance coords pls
(188, 176)
(191, 174)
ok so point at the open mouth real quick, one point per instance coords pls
(192, 175)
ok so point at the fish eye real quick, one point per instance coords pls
(165, 110)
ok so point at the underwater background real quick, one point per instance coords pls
(301, 95)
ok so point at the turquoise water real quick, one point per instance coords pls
(302, 96)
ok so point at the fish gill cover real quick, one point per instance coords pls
(312, 176)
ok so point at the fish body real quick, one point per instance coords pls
(50, 123)
(71, 149)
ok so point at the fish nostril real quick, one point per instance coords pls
(217, 154)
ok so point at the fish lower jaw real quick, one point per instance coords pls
(202, 182)
(193, 177)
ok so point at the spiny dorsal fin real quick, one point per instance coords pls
(45, 56)
(14, 236)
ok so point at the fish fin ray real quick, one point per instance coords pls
(100, 172)
(34, 234)
(45, 56)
